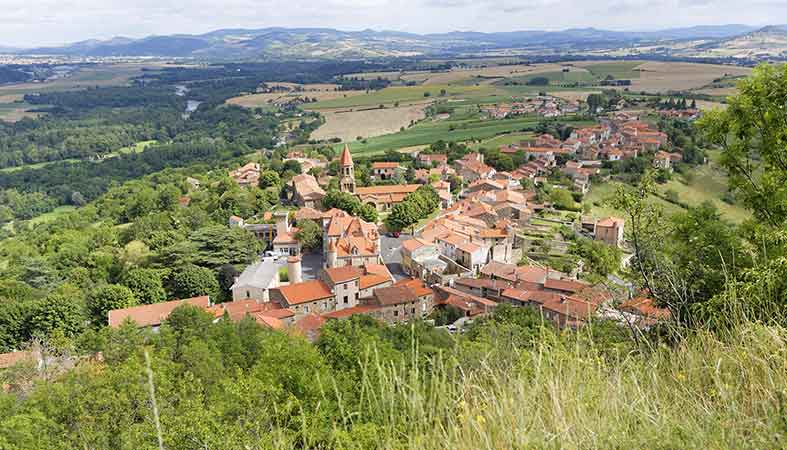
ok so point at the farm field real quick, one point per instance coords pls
(667, 76)
(104, 75)
(503, 139)
(347, 125)
(14, 112)
(320, 92)
(428, 132)
(405, 94)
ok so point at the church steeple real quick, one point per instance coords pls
(347, 168)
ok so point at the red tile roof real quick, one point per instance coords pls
(152, 315)
(346, 158)
(347, 312)
(305, 292)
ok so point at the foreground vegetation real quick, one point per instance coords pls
(511, 382)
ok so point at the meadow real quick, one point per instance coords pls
(429, 131)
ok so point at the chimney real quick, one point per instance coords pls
(294, 269)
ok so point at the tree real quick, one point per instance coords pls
(309, 234)
(194, 281)
(269, 178)
(293, 166)
(751, 132)
(106, 298)
(58, 312)
(599, 258)
(146, 284)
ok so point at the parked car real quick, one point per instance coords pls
(394, 234)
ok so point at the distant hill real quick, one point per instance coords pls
(330, 43)
(761, 44)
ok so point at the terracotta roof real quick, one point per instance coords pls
(643, 306)
(416, 285)
(412, 245)
(485, 283)
(346, 158)
(13, 358)
(387, 189)
(305, 292)
(347, 312)
(268, 321)
(239, 309)
(152, 315)
(309, 325)
(571, 307)
(308, 213)
(376, 274)
(307, 187)
(385, 165)
(394, 295)
(343, 274)
(564, 285)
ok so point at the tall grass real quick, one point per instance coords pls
(707, 392)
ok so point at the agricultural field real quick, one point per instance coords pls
(429, 131)
(347, 125)
(103, 75)
(16, 111)
(320, 92)
(503, 139)
(678, 76)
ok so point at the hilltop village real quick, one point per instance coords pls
(449, 247)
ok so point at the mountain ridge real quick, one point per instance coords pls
(317, 42)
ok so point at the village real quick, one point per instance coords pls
(481, 247)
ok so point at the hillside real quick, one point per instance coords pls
(330, 43)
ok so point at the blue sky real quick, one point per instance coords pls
(44, 22)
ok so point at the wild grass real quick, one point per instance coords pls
(707, 392)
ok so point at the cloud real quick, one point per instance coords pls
(38, 22)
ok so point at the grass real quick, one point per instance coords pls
(403, 94)
(503, 139)
(706, 183)
(52, 215)
(428, 132)
(706, 392)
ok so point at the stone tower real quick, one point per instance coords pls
(347, 169)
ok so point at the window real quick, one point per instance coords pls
(345, 300)
(248, 294)
(413, 310)
(396, 313)
(306, 308)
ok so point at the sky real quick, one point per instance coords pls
(28, 23)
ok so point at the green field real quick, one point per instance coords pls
(52, 215)
(428, 132)
(402, 94)
(503, 139)
(706, 183)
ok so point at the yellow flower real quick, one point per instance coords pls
(480, 419)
